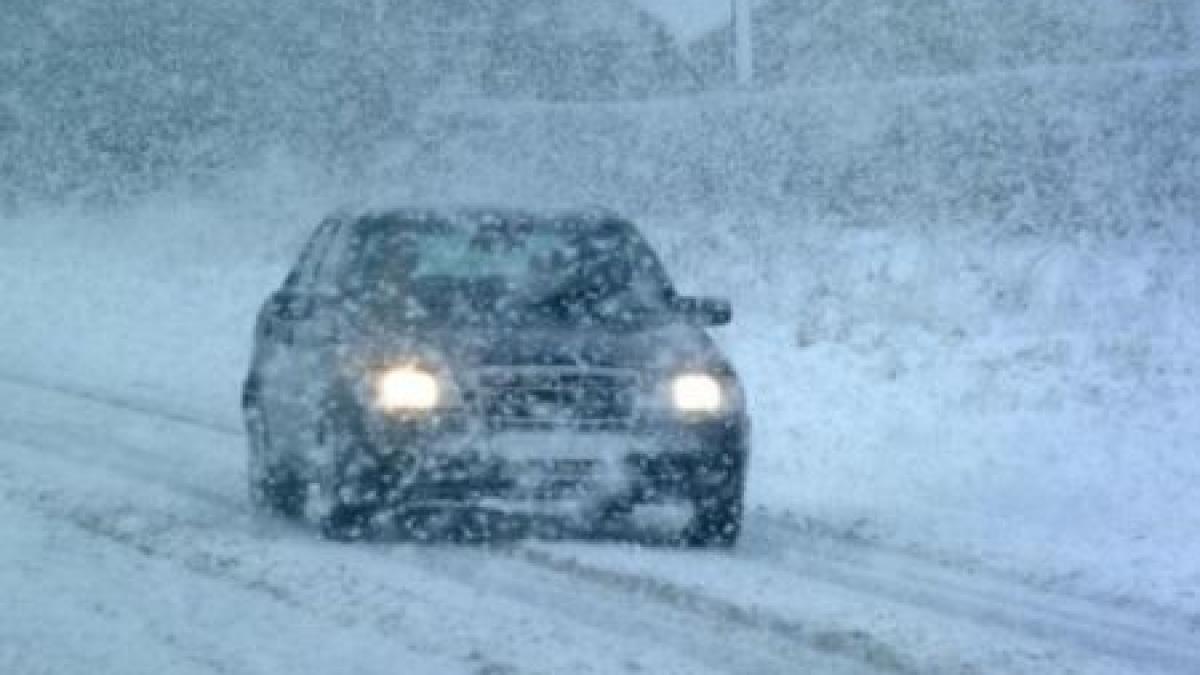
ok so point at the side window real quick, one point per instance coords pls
(648, 267)
(338, 251)
(652, 273)
(303, 275)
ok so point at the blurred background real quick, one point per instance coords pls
(1031, 111)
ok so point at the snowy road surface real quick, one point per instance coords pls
(128, 548)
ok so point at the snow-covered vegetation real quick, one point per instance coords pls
(1086, 148)
(815, 42)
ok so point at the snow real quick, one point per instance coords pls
(964, 309)
(90, 601)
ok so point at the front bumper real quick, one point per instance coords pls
(457, 462)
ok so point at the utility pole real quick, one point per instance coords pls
(743, 45)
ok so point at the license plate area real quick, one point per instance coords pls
(554, 479)
(558, 465)
(559, 469)
(565, 446)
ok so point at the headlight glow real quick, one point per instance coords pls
(406, 390)
(696, 393)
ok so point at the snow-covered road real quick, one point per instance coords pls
(128, 548)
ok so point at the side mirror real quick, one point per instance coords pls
(291, 306)
(292, 317)
(704, 311)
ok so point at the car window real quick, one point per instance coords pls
(558, 271)
(303, 276)
(335, 256)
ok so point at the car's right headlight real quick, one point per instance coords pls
(406, 389)
(697, 393)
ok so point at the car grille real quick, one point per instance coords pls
(552, 398)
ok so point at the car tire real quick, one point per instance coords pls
(347, 522)
(274, 489)
(277, 491)
(717, 522)
(344, 520)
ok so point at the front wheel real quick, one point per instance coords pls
(277, 491)
(717, 522)
(352, 490)
(348, 522)
(274, 489)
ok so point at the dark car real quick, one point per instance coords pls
(426, 367)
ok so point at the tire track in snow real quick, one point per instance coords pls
(855, 644)
(190, 545)
(113, 400)
(991, 599)
(344, 586)
(850, 544)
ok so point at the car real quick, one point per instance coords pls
(427, 366)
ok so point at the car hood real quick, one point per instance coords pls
(670, 347)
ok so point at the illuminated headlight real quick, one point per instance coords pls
(697, 393)
(406, 390)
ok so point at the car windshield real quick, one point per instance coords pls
(494, 270)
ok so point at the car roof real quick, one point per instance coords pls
(475, 217)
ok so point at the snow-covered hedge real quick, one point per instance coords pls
(809, 42)
(1110, 148)
(109, 101)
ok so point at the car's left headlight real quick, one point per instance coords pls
(697, 393)
(406, 389)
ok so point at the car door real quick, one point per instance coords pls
(292, 336)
